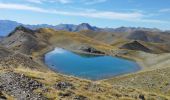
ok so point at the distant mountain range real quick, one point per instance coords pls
(6, 26)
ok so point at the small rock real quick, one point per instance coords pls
(64, 85)
(80, 97)
(63, 95)
(142, 97)
(2, 97)
(20, 86)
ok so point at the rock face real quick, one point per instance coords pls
(20, 86)
(135, 45)
(90, 50)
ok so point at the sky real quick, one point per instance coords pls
(100, 13)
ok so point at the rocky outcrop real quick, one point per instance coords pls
(135, 45)
(90, 49)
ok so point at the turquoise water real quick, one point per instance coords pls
(88, 66)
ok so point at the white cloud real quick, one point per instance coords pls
(61, 1)
(130, 16)
(90, 2)
(87, 2)
(51, 1)
(35, 1)
(21, 7)
(165, 10)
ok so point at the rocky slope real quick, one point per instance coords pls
(23, 40)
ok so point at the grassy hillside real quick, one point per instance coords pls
(24, 75)
(50, 85)
(150, 81)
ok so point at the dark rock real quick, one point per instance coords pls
(142, 97)
(66, 94)
(2, 97)
(80, 97)
(31, 58)
(90, 50)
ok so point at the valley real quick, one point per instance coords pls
(22, 64)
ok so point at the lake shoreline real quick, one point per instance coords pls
(78, 51)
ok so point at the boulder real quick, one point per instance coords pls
(80, 97)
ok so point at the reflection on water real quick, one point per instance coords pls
(88, 66)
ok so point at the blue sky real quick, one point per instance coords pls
(101, 13)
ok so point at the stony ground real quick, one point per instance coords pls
(20, 86)
(27, 84)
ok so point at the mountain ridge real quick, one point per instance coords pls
(6, 26)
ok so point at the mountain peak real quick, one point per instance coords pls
(21, 28)
(84, 26)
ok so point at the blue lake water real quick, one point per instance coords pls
(88, 66)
